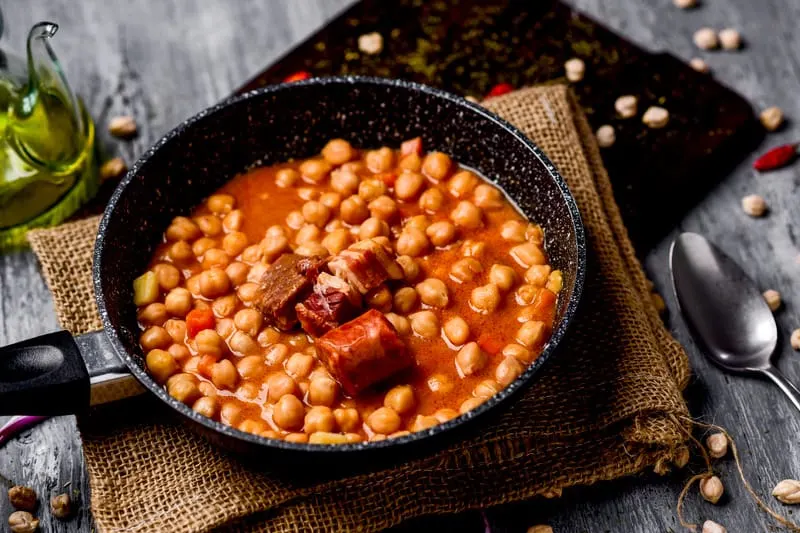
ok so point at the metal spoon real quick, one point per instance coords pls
(725, 311)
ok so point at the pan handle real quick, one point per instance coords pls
(45, 375)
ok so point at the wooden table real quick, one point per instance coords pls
(164, 61)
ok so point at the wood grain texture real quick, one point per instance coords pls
(162, 61)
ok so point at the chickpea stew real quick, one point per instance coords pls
(356, 295)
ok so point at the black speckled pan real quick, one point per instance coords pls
(294, 120)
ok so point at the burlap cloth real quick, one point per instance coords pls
(604, 407)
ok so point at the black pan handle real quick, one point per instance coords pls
(45, 375)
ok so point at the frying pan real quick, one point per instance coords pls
(58, 374)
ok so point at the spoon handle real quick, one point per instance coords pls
(784, 384)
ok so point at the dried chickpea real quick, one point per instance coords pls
(160, 364)
(433, 292)
(411, 242)
(384, 421)
(470, 359)
(520, 353)
(209, 342)
(380, 160)
(485, 299)
(754, 205)
(794, 339)
(224, 306)
(286, 177)
(709, 526)
(470, 404)
(408, 185)
(436, 165)
(507, 371)
(322, 391)
(527, 254)
(465, 270)
(22, 522)
(431, 200)
(221, 203)
(155, 337)
(425, 323)
(202, 245)
(288, 413)
(730, 39)
(373, 227)
(410, 267)
(22, 498)
(400, 399)
(538, 275)
(706, 38)
(180, 251)
(237, 272)
(383, 207)
(462, 183)
(711, 489)
(441, 233)
(182, 229)
(467, 215)
(405, 300)
(717, 445)
(344, 182)
(299, 365)
(338, 152)
(354, 210)
(575, 69)
(486, 389)
(771, 118)
(279, 385)
(400, 323)
(655, 117)
(456, 330)
(347, 419)
(606, 136)
(315, 170)
(503, 276)
(699, 65)
(154, 314)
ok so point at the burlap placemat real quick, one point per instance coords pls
(605, 407)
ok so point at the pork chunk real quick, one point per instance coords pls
(366, 264)
(332, 302)
(286, 282)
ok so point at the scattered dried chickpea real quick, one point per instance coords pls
(706, 39)
(655, 117)
(22, 498)
(795, 339)
(709, 526)
(22, 522)
(787, 491)
(113, 168)
(626, 106)
(575, 69)
(711, 489)
(698, 64)
(60, 506)
(754, 205)
(773, 299)
(605, 136)
(123, 126)
(771, 118)
(730, 39)
(717, 445)
(371, 43)
(685, 4)
(540, 528)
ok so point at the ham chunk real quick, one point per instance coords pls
(332, 302)
(286, 282)
(363, 352)
(366, 264)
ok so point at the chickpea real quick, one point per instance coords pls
(405, 300)
(184, 390)
(242, 343)
(531, 333)
(410, 162)
(445, 414)
(370, 189)
(527, 254)
(154, 314)
(155, 337)
(431, 200)
(470, 359)
(167, 275)
(400, 323)
(286, 177)
(347, 419)
(520, 353)
(182, 229)
(344, 182)
(408, 185)
(526, 294)
(307, 234)
(322, 391)
(538, 275)
(456, 330)
(419, 222)
(208, 389)
(383, 207)
(248, 390)
(555, 281)
(206, 406)
(470, 404)
(233, 221)
(277, 354)
(488, 197)
(248, 321)
(311, 249)
(411, 242)
(299, 365)
(486, 389)
(380, 160)
(180, 251)
(221, 203)
(295, 219)
(214, 282)
(467, 215)
(214, 257)
(180, 352)
(237, 272)
(234, 243)
(338, 151)
(224, 306)
(252, 426)
(462, 183)
(225, 328)
(160, 364)
(425, 323)
(251, 367)
(354, 210)
(422, 422)
(400, 399)
(485, 299)
(440, 384)
(273, 246)
(338, 240)
(288, 412)
(410, 267)
(252, 254)
(379, 298)
(193, 285)
(513, 231)
(209, 342)
(465, 270)
(280, 384)
(298, 438)
(248, 292)
(436, 165)
(268, 337)
(316, 213)
(334, 224)
(474, 249)
(176, 329)
(230, 414)
(307, 193)
(202, 245)
(433, 292)
(373, 227)
(315, 170)
(384, 421)
(441, 233)
(507, 371)
(210, 225)
(319, 418)
(503, 276)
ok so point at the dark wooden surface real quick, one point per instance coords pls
(163, 61)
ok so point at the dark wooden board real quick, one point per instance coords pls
(468, 46)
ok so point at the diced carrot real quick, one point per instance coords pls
(205, 365)
(499, 90)
(388, 178)
(544, 307)
(197, 320)
(490, 344)
(411, 146)
(297, 76)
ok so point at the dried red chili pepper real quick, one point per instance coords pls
(297, 76)
(778, 157)
(500, 89)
